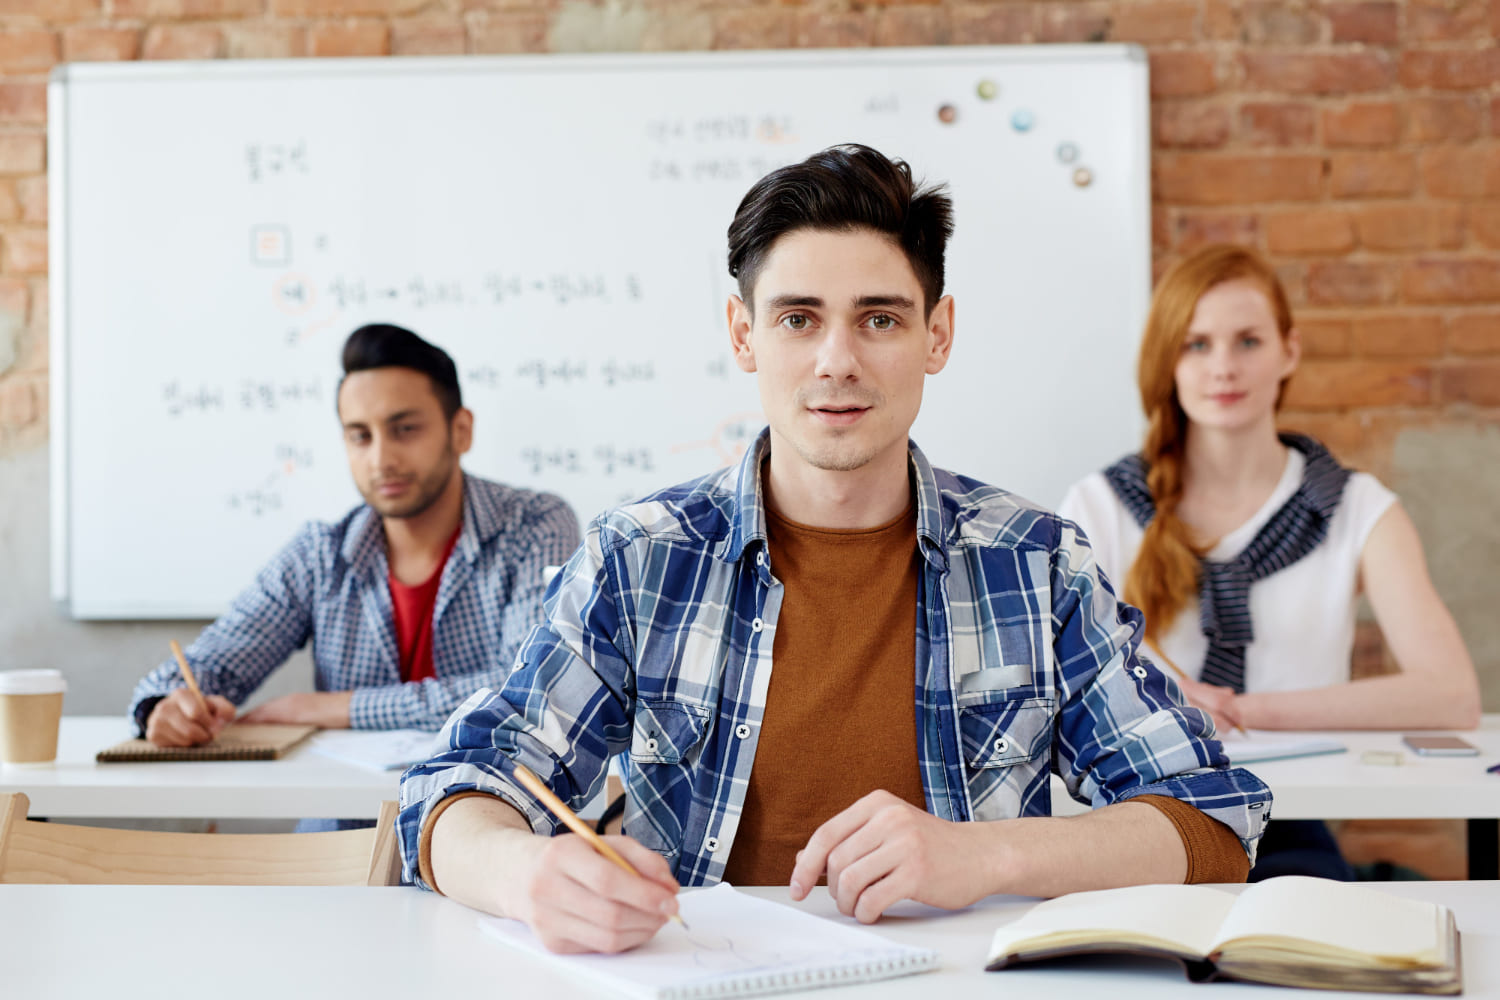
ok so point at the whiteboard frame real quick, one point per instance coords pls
(60, 505)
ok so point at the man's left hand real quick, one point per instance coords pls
(882, 849)
(328, 709)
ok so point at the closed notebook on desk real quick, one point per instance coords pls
(1288, 931)
(238, 741)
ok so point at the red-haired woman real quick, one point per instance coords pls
(1246, 548)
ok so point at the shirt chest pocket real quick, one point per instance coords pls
(1002, 733)
(665, 732)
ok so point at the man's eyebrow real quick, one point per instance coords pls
(784, 301)
(406, 414)
(883, 301)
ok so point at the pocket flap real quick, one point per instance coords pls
(664, 733)
(1006, 732)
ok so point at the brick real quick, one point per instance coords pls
(1205, 179)
(1279, 24)
(1433, 119)
(26, 251)
(23, 103)
(52, 10)
(1324, 337)
(1474, 382)
(668, 32)
(1484, 220)
(1457, 279)
(1369, 23)
(1221, 20)
(1003, 24)
(186, 10)
(1073, 21)
(428, 37)
(506, 33)
(1373, 124)
(1372, 175)
(1278, 124)
(1196, 229)
(1446, 21)
(1334, 385)
(1293, 277)
(1209, 179)
(27, 51)
(1417, 335)
(1475, 333)
(752, 29)
(1182, 74)
(1450, 69)
(1411, 226)
(914, 26)
(347, 8)
(1461, 171)
(1308, 233)
(1155, 21)
(264, 40)
(89, 44)
(1161, 228)
(22, 152)
(10, 206)
(1318, 73)
(183, 41)
(15, 301)
(350, 38)
(834, 30)
(1350, 283)
(18, 405)
(1189, 124)
(31, 193)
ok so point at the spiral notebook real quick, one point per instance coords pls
(735, 946)
(238, 741)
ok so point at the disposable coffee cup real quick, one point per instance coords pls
(30, 712)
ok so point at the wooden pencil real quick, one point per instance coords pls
(187, 675)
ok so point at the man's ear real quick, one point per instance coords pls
(939, 335)
(740, 324)
(462, 428)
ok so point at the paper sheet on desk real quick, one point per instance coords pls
(1263, 746)
(376, 750)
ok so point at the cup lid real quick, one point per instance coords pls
(32, 682)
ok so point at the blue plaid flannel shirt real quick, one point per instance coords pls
(657, 647)
(329, 587)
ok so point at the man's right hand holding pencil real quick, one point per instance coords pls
(183, 719)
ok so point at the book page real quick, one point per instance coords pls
(1259, 746)
(1181, 918)
(376, 749)
(1337, 916)
(734, 943)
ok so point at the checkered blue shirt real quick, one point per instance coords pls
(657, 648)
(329, 587)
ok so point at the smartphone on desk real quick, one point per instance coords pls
(1439, 746)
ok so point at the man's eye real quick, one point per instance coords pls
(881, 321)
(796, 321)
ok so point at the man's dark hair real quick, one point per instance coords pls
(844, 188)
(384, 345)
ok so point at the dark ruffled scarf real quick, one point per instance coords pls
(1224, 587)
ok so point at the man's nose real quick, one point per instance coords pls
(838, 354)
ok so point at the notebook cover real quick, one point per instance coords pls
(239, 741)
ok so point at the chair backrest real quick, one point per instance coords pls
(33, 851)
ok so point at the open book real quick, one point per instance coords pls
(735, 945)
(237, 741)
(1289, 931)
(1262, 746)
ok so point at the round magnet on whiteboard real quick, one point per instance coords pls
(987, 90)
(1022, 120)
(1067, 153)
(1083, 177)
(947, 114)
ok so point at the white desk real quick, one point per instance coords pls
(401, 943)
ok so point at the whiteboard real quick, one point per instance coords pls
(557, 223)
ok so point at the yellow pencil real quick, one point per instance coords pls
(187, 675)
(560, 809)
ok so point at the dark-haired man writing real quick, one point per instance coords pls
(412, 601)
(832, 661)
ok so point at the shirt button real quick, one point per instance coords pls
(711, 844)
(760, 558)
(651, 746)
(757, 625)
(1002, 745)
(1139, 671)
(742, 731)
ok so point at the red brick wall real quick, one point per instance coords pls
(1358, 141)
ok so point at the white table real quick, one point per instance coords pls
(400, 943)
(1342, 786)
